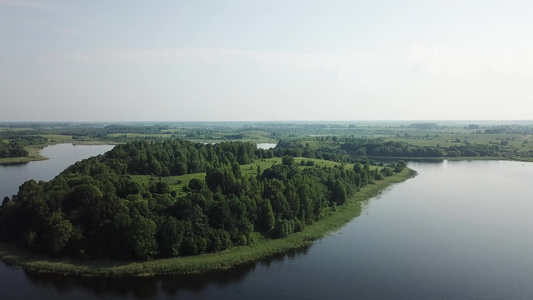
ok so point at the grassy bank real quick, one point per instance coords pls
(333, 220)
(33, 155)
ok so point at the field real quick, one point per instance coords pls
(177, 183)
(516, 134)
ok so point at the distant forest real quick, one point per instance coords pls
(377, 147)
(411, 140)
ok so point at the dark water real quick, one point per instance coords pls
(459, 230)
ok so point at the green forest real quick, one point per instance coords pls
(16, 143)
(378, 147)
(96, 209)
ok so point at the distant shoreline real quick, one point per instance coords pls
(458, 158)
(35, 155)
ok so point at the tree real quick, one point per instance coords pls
(60, 233)
(266, 217)
(142, 238)
(169, 236)
(338, 193)
(196, 184)
(287, 160)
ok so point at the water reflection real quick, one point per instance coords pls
(458, 230)
(155, 287)
(11, 164)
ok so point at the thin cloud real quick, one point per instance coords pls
(32, 5)
(433, 61)
(468, 64)
(225, 56)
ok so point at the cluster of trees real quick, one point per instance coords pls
(94, 208)
(493, 150)
(380, 148)
(472, 126)
(15, 147)
(12, 150)
(293, 147)
(424, 125)
(178, 157)
(510, 129)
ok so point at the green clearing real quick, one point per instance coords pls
(251, 169)
(332, 220)
(177, 183)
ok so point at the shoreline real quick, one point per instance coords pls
(33, 155)
(458, 158)
(34, 151)
(227, 259)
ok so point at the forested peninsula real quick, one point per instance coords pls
(118, 206)
(15, 146)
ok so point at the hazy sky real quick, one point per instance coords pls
(265, 60)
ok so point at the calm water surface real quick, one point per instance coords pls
(60, 156)
(266, 146)
(459, 230)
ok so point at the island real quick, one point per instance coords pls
(176, 206)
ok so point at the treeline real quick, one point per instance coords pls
(94, 209)
(12, 150)
(381, 148)
(15, 147)
(510, 129)
(90, 131)
(293, 147)
(178, 157)
(103, 133)
(424, 125)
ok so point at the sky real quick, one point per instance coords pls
(259, 60)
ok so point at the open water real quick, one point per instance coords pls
(458, 230)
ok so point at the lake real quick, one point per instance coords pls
(266, 146)
(60, 157)
(458, 230)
